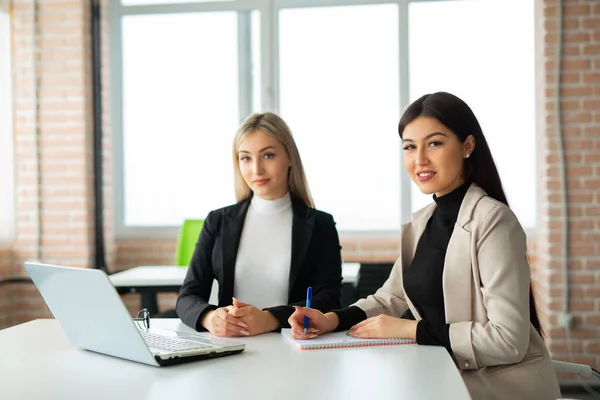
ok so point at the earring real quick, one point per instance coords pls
(467, 155)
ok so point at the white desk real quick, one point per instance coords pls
(149, 280)
(161, 275)
(38, 362)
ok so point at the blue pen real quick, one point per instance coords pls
(308, 299)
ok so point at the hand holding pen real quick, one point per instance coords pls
(308, 323)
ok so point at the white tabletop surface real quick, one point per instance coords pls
(161, 275)
(37, 362)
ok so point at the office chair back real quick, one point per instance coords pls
(371, 277)
(186, 243)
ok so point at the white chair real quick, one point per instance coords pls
(580, 369)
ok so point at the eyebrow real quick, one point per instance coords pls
(260, 151)
(427, 137)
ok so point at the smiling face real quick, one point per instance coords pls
(433, 155)
(264, 165)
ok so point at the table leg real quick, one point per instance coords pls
(149, 302)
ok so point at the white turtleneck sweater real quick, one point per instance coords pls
(262, 268)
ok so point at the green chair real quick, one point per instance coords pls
(186, 243)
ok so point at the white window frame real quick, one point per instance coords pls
(269, 11)
(7, 203)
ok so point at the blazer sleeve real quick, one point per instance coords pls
(505, 284)
(192, 302)
(388, 299)
(326, 279)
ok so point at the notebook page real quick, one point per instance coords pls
(339, 340)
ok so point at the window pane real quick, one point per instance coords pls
(180, 112)
(475, 60)
(340, 94)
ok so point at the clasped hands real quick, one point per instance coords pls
(239, 319)
(379, 327)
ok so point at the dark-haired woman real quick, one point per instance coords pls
(463, 272)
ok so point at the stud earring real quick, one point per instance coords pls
(467, 155)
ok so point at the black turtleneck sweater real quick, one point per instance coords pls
(423, 279)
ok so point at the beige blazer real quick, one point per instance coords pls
(486, 295)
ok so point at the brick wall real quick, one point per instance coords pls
(580, 104)
(54, 220)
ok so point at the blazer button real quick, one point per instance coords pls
(466, 364)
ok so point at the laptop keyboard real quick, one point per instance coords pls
(173, 344)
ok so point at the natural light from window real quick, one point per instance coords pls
(340, 95)
(180, 112)
(184, 93)
(473, 55)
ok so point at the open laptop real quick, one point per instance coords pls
(91, 313)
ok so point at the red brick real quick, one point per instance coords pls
(592, 105)
(579, 197)
(551, 25)
(576, 37)
(592, 184)
(592, 347)
(593, 320)
(578, 117)
(576, 91)
(581, 305)
(550, 11)
(575, 65)
(583, 334)
(591, 49)
(591, 23)
(593, 292)
(563, 347)
(591, 77)
(556, 278)
(577, 10)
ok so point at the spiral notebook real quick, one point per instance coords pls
(337, 340)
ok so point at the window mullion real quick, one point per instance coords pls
(403, 66)
(244, 64)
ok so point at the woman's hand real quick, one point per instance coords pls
(383, 327)
(319, 323)
(220, 323)
(256, 321)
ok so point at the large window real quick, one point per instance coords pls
(180, 105)
(186, 73)
(490, 65)
(6, 133)
(340, 94)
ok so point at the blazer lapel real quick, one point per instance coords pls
(303, 223)
(457, 279)
(231, 233)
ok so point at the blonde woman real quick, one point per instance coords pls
(268, 248)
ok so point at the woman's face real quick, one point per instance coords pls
(264, 165)
(433, 155)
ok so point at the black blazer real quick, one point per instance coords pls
(316, 261)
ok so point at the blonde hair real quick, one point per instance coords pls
(273, 125)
